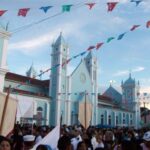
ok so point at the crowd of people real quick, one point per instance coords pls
(77, 138)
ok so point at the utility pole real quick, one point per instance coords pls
(4, 110)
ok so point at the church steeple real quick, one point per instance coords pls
(58, 79)
(31, 72)
(60, 40)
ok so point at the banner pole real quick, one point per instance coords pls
(4, 110)
(85, 111)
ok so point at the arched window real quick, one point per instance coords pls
(102, 119)
(39, 109)
(109, 119)
(117, 120)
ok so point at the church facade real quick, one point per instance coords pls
(60, 97)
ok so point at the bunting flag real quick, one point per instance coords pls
(76, 56)
(23, 12)
(66, 8)
(121, 36)
(90, 5)
(98, 45)
(110, 39)
(2, 12)
(46, 8)
(83, 53)
(90, 48)
(134, 27)
(148, 24)
(68, 60)
(137, 2)
(111, 5)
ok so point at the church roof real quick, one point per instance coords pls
(113, 94)
(129, 80)
(60, 40)
(41, 84)
(24, 79)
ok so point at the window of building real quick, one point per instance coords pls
(109, 119)
(124, 121)
(102, 119)
(123, 115)
(40, 109)
(117, 121)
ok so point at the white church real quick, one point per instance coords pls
(63, 97)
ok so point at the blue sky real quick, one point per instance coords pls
(81, 28)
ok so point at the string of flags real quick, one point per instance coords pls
(67, 8)
(97, 46)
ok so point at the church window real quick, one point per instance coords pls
(116, 120)
(123, 115)
(130, 122)
(102, 119)
(109, 119)
(56, 49)
(64, 49)
(40, 109)
(123, 121)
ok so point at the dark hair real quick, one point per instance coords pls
(80, 143)
(43, 147)
(63, 142)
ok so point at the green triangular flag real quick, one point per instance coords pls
(66, 8)
(109, 39)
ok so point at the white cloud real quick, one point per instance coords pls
(126, 72)
(138, 69)
(32, 43)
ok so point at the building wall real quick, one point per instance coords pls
(114, 117)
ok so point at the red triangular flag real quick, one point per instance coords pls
(63, 64)
(68, 60)
(23, 12)
(111, 5)
(2, 12)
(99, 45)
(134, 27)
(148, 24)
(90, 48)
(90, 5)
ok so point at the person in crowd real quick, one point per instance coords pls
(28, 142)
(82, 146)
(43, 147)
(64, 143)
(5, 144)
(17, 139)
(109, 140)
(146, 144)
(99, 141)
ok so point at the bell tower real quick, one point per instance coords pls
(91, 63)
(4, 36)
(58, 77)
